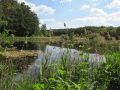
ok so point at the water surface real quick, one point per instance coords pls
(56, 53)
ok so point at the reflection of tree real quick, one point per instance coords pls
(26, 45)
(23, 63)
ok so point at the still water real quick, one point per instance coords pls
(56, 53)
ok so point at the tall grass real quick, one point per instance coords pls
(7, 72)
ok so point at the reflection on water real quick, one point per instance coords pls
(24, 45)
(55, 53)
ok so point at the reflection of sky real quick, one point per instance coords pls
(55, 53)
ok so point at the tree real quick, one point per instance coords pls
(21, 20)
(44, 29)
(3, 23)
(118, 33)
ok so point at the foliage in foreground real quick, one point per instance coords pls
(74, 75)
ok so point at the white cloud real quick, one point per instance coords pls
(93, 11)
(20, 1)
(114, 4)
(56, 25)
(114, 17)
(48, 20)
(39, 9)
(43, 9)
(92, 21)
(85, 7)
(98, 17)
(98, 12)
(60, 24)
(26, 2)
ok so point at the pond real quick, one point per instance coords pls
(52, 52)
(55, 53)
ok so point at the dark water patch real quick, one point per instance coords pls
(26, 45)
(19, 64)
(23, 64)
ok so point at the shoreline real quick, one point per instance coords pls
(21, 53)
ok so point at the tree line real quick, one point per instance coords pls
(107, 32)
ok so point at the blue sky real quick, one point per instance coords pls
(76, 13)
